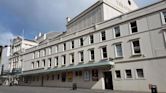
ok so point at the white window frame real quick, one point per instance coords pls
(63, 60)
(162, 17)
(49, 62)
(102, 53)
(115, 49)
(38, 64)
(132, 47)
(130, 29)
(43, 63)
(79, 54)
(33, 65)
(90, 39)
(126, 74)
(71, 58)
(56, 61)
(102, 36)
(114, 31)
(90, 55)
(137, 73)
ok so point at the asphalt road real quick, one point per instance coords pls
(26, 89)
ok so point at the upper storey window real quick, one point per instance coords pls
(81, 41)
(133, 27)
(163, 15)
(117, 31)
(103, 36)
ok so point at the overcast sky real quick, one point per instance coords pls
(34, 16)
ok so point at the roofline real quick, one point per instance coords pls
(85, 12)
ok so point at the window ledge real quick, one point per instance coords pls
(140, 79)
(90, 61)
(104, 59)
(136, 55)
(81, 62)
(119, 57)
(129, 78)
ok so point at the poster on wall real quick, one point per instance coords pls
(70, 76)
(95, 75)
(86, 75)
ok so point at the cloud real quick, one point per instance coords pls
(5, 36)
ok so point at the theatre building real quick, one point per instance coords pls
(111, 45)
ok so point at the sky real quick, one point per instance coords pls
(29, 17)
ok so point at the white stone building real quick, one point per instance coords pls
(103, 48)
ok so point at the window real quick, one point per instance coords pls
(140, 73)
(49, 62)
(86, 75)
(92, 55)
(136, 47)
(56, 61)
(163, 17)
(72, 58)
(63, 77)
(37, 54)
(38, 64)
(64, 46)
(81, 41)
(128, 73)
(58, 76)
(56, 49)
(49, 51)
(53, 77)
(70, 76)
(43, 62)
(95, 75)
(118, 50)
(118, 74)
(33, 65)
(78, 73)
(33, 56)
(91, 39)
(104, 52)
(133, 26)
(103, 36)
(117, 32)
(72, 44)
(81, 56)
(64, 60)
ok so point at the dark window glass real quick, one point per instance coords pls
(134, 27)
(136, 47)
(91, 39)
(118, 74)
(104, 49)
(103, 36)
(117, 31)
(81, 41)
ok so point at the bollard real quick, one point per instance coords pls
(74, 86)
(154, 89)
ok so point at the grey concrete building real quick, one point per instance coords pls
(104, 47)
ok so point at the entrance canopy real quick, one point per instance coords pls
(71, 67)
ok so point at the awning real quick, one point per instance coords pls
(79, 66)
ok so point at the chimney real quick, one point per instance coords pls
(68, 19)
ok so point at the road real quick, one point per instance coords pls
(26, 89)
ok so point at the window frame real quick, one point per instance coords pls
(116, 74)
(49, 62)
(163, 17)
(114, 31)
(63, 60)
(71, 58)
(91, 58)
(33, 65)
(131, 28)
(81, 41)
(103, 36)
(133, 48)
(116, 50)
(126, 76)
(103, 53)
(81, 56)
(137, 76)
(38, 64)
(91, 39)
(56, 61)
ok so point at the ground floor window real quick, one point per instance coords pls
(87, 75)
(128, 73)
(140, 73)
(95, 75)
(70, 76)
(78, 73)
(63, 77)
(117, 74)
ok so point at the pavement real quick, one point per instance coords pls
(27, 89)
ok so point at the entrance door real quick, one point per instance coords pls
(42, 80)
(108, 80)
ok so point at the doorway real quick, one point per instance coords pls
(108, 80)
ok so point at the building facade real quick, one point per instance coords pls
(127, 52)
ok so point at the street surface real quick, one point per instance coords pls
(26, 89)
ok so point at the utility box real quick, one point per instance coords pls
(154, 89)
